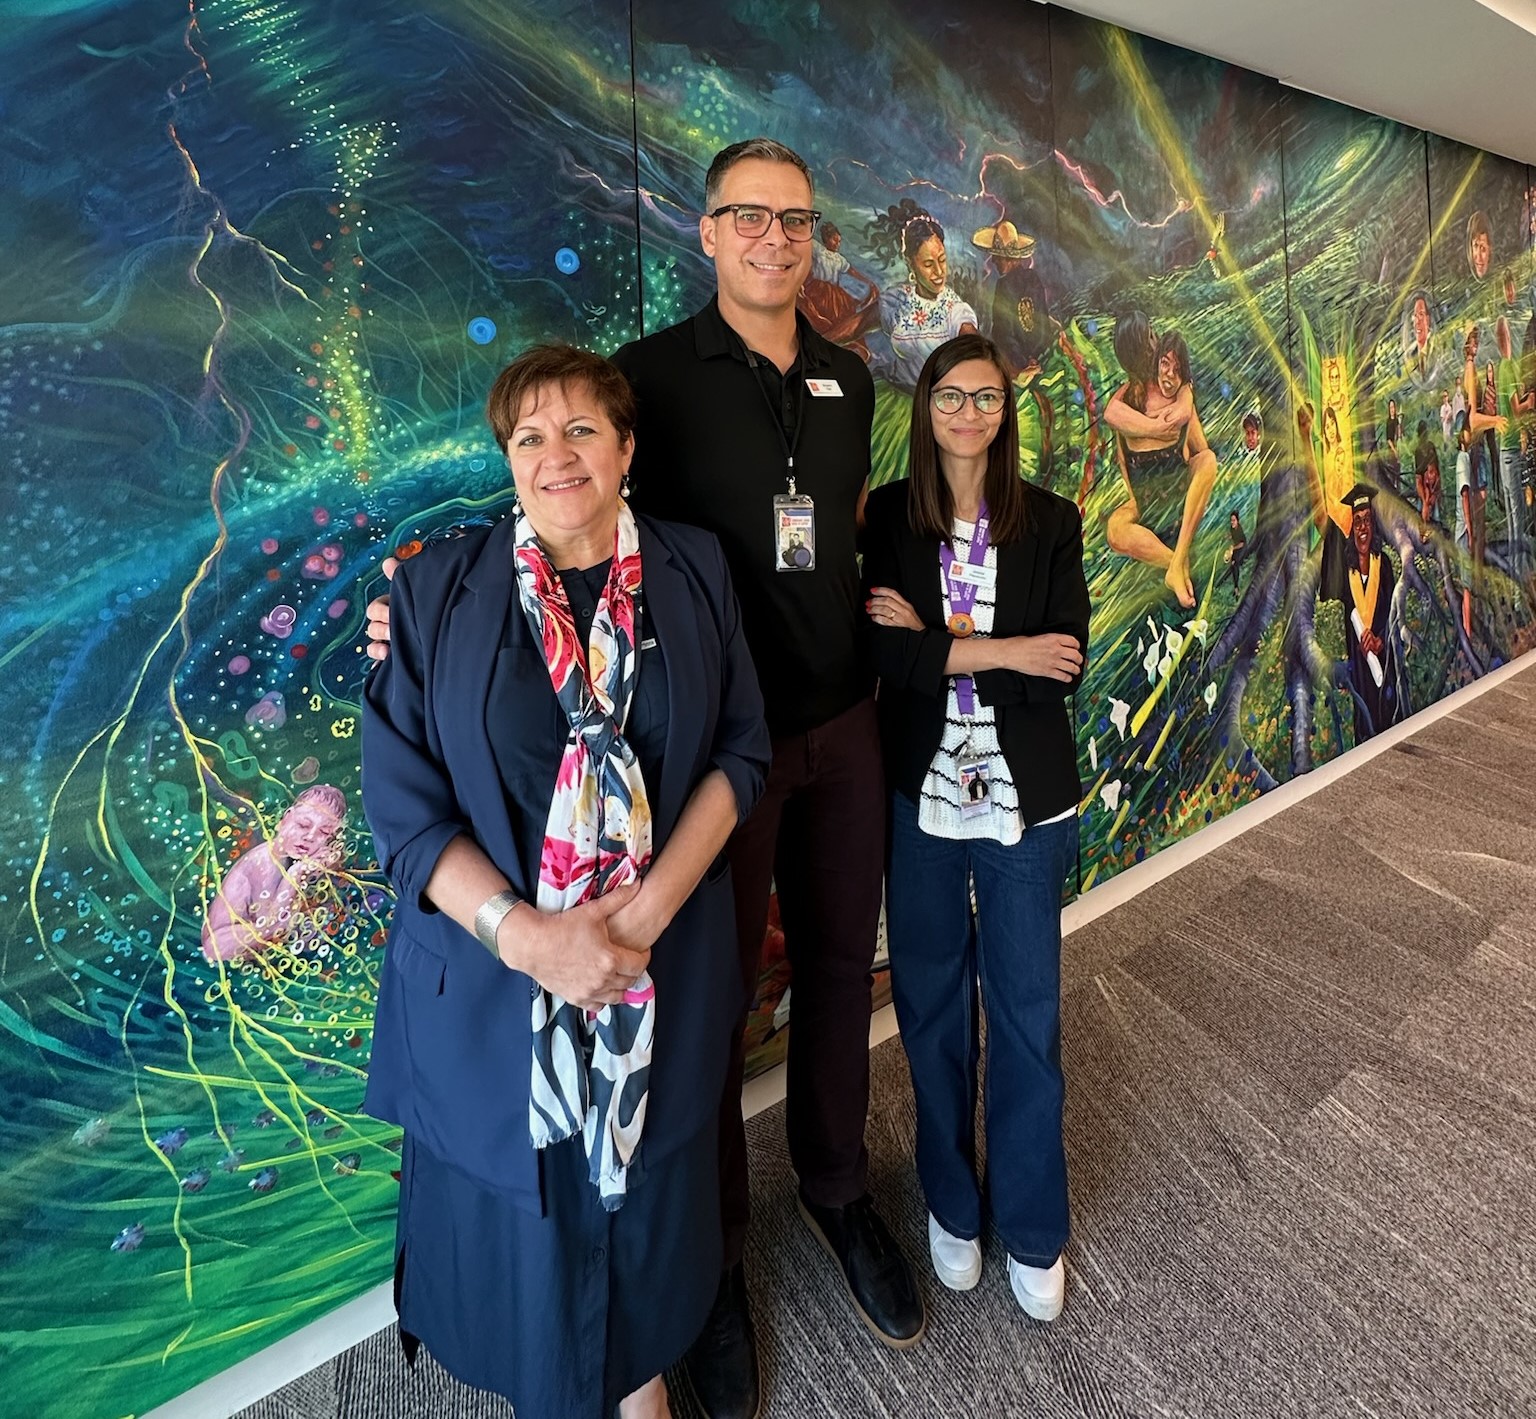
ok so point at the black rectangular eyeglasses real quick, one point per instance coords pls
(797, 223)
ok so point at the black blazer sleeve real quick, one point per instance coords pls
(1060, 525)
(909, 660)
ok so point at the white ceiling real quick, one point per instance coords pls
(1463, 68)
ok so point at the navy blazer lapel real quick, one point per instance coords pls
(673, 620)
(478, 627)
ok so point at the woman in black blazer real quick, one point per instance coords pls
(976, 588)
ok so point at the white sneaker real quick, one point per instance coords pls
(1039, 1290)
(957, 1263)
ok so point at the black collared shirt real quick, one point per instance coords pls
(716, 426)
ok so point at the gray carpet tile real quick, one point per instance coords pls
(310, 1396)
(1300, 1124)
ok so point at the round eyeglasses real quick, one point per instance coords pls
(949, 400)
(797, 223)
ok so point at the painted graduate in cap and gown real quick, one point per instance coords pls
(1369, 584)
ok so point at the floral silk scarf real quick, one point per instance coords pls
(591, 1072)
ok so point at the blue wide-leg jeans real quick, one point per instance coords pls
(1012, 948)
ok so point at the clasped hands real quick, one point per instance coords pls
(588, 954)
(1052, 655)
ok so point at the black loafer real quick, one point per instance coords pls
(879, 1281)
(721, 1364)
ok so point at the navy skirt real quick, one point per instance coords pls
(567, 1313)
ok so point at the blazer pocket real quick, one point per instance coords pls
(420, 967)
(717, 869)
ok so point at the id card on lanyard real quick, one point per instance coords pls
(794, 531)
(961, 581)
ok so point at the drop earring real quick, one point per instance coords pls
(624, 486)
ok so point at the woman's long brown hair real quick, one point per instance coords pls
(930, 507)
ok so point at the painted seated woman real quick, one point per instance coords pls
(1166, 464)
(562, 739)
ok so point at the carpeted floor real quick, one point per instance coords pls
(1301, 1126)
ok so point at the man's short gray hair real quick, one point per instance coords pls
(767, 149)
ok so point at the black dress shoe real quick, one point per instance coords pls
(721, 1364)
(877, 1276)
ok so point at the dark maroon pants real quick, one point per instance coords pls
(818, 834)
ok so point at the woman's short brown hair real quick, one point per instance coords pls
(562, 365)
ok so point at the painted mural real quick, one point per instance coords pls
(265, 260)
(263, 263)
(1208, 285)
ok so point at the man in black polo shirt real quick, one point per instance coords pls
(746, 415)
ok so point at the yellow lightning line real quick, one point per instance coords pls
(43, 937)
(1150, 101)
(1412, 278)
(1155, 112)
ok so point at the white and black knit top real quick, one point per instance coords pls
(971, 739)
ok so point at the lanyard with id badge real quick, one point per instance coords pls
(961, 580)
(794, 512)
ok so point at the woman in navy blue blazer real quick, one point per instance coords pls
(977, 592)
(565, 733)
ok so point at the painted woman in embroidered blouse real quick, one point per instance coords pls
(920, 314)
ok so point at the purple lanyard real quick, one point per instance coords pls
(960, 597)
